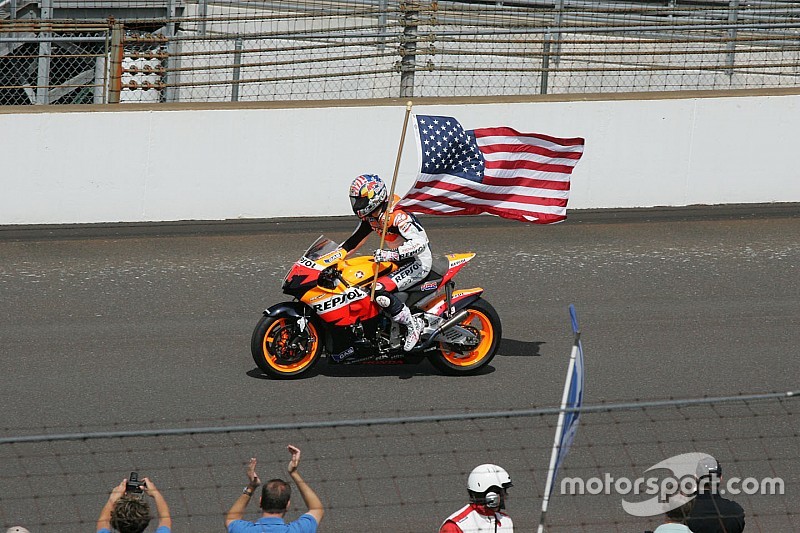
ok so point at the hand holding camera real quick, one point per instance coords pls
(134, 485)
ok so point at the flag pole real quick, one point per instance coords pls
(376, 265)
(551, 471)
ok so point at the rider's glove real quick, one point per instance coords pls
(386, 255)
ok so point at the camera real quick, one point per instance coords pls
(134, 485)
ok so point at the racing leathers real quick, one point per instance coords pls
(474, 518)
(408, 246)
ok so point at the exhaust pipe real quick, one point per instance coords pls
(444, 327)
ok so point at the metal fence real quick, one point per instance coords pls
(212, 51)
(400, 473)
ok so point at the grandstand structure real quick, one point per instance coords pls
(101, 51)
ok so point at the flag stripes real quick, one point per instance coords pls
(499, 171)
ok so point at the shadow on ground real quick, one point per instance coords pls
(401, 371)
(515, 348)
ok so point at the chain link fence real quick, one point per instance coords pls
(396, 473)
(91, 51)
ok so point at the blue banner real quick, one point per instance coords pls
(574, 397)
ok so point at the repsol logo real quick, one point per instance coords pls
(339, 300)
(403, 274)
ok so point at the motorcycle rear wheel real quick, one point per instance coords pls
(281, 350)
(485, 322)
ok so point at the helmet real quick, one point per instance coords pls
(484, 477)
(487, 484)
(367, 193)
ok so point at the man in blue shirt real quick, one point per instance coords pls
(274, 502)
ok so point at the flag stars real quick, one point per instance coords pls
(448, 149)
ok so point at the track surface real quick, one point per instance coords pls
(120, 332)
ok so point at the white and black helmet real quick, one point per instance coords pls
(487, 484)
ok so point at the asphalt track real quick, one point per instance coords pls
(126, 327)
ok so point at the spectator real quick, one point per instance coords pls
(675, 519)
(712, 513)
(487, 487)
(274, 502)
(127, 512)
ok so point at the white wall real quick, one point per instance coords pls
(166, 165)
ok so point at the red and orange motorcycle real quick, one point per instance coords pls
(334, 314)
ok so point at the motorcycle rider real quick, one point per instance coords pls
(486, 485)
(407, 243)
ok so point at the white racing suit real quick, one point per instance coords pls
(406, 236)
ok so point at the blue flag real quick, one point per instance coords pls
(567, 426)
(574, 396)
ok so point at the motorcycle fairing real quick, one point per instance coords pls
(361, 270)
(458, 300)
(341, 307)
(457, 262)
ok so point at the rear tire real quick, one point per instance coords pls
(281, 350)
(484, 320)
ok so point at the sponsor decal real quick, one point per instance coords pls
(332, 259)
(306, 262)
(343, 355)
(340, 300)
(359, 274)
(458, 262)
(315, 298)
(428, 286)
(408, 271)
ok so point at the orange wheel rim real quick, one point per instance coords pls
(483, 325)
(280, 332)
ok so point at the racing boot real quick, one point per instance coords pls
(413, 326)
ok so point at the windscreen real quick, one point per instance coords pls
(321, 246)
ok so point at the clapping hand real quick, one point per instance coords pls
(294, 462)
(253, 478)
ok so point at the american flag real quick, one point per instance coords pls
(521, 176)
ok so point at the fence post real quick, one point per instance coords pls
(171, 91)
(733, 17)
(237, 69)
(100, 81)
(408, 48)
(382, 19)
(45, 53)
(114, 75)
(203, 14)
(545, 63)
(559, 18)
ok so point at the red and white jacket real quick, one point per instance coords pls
(473, 518)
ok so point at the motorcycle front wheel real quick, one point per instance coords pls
(482, 320)
(282, 350)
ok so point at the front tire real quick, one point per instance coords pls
(485, 322)
(281, 350)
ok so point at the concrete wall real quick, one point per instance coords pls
(163, 164)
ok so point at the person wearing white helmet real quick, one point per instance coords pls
(407, 245)
(487, 486)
